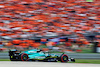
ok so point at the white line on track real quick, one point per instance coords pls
(44, 64)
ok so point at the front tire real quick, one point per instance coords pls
(64, 58)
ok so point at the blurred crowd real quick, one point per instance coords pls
(40, 18)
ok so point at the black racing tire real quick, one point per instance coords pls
(12, 58)
(24, 57)
(64, 58)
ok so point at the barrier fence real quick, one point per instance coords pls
(73, 55)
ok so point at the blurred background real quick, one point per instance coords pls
(71, 26)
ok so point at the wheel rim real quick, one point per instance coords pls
(64, 58)
(24, 57)
(11, 56)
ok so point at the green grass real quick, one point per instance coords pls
(89, 0)
(87, 50)
(42, 46)
(91, 61)
(4, 60)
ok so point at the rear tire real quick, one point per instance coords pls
(24, 57)
(64, 58)
(12, 58)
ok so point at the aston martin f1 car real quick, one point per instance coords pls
(37, 55)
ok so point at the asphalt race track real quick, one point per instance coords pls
(44, 64)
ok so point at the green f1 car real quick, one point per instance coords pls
(37, 55)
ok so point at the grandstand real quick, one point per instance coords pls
(32, 23)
